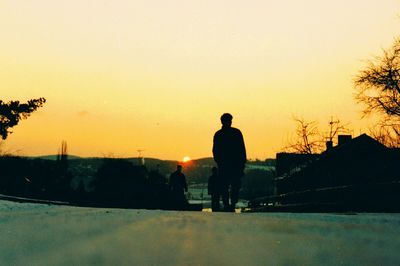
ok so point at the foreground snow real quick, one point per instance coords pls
(37, 234)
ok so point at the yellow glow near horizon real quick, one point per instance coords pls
(156, 75)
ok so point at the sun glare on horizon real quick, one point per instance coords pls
(186, 159)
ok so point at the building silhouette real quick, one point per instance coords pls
(358, 174)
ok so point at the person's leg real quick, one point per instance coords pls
(225, 194)
(235, 187)
(215, 202)
(224, 185)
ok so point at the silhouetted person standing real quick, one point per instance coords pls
(230, 155)
(178, 186)
(214, 189)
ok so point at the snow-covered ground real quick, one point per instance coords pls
(38, 234)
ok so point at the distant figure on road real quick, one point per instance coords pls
(214, 189)
(230, 155)
(178, 187)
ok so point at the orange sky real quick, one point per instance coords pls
(120, 76)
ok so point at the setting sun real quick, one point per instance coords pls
(186, 159)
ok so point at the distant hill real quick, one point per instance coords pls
(53, 157)
(75, 157)
(209, 161)
(205, 161)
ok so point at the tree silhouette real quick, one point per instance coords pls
(308, 138)
(13, 111)
(387, 132)
(378, 88)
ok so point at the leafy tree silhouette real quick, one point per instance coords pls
(13, 111)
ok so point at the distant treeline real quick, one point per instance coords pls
(112, 182)
(115, 183)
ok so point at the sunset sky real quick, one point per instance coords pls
(120, 76)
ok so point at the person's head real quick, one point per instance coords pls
(226, 119)
(179, 168)
(214, 170)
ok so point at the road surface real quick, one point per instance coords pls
(39, 234)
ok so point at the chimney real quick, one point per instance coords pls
(342, 139)
(329, 145)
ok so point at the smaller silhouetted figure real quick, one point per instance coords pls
(214, 189)
(178, 187)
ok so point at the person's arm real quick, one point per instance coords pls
(216, 149)
(184, 182)
(170, 182)
(243, 149)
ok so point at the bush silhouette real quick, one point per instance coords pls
(119, 182)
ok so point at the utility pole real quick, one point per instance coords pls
(140, 157)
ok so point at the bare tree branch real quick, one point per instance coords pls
(335, 128)
(387, 132)
(307, 138)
